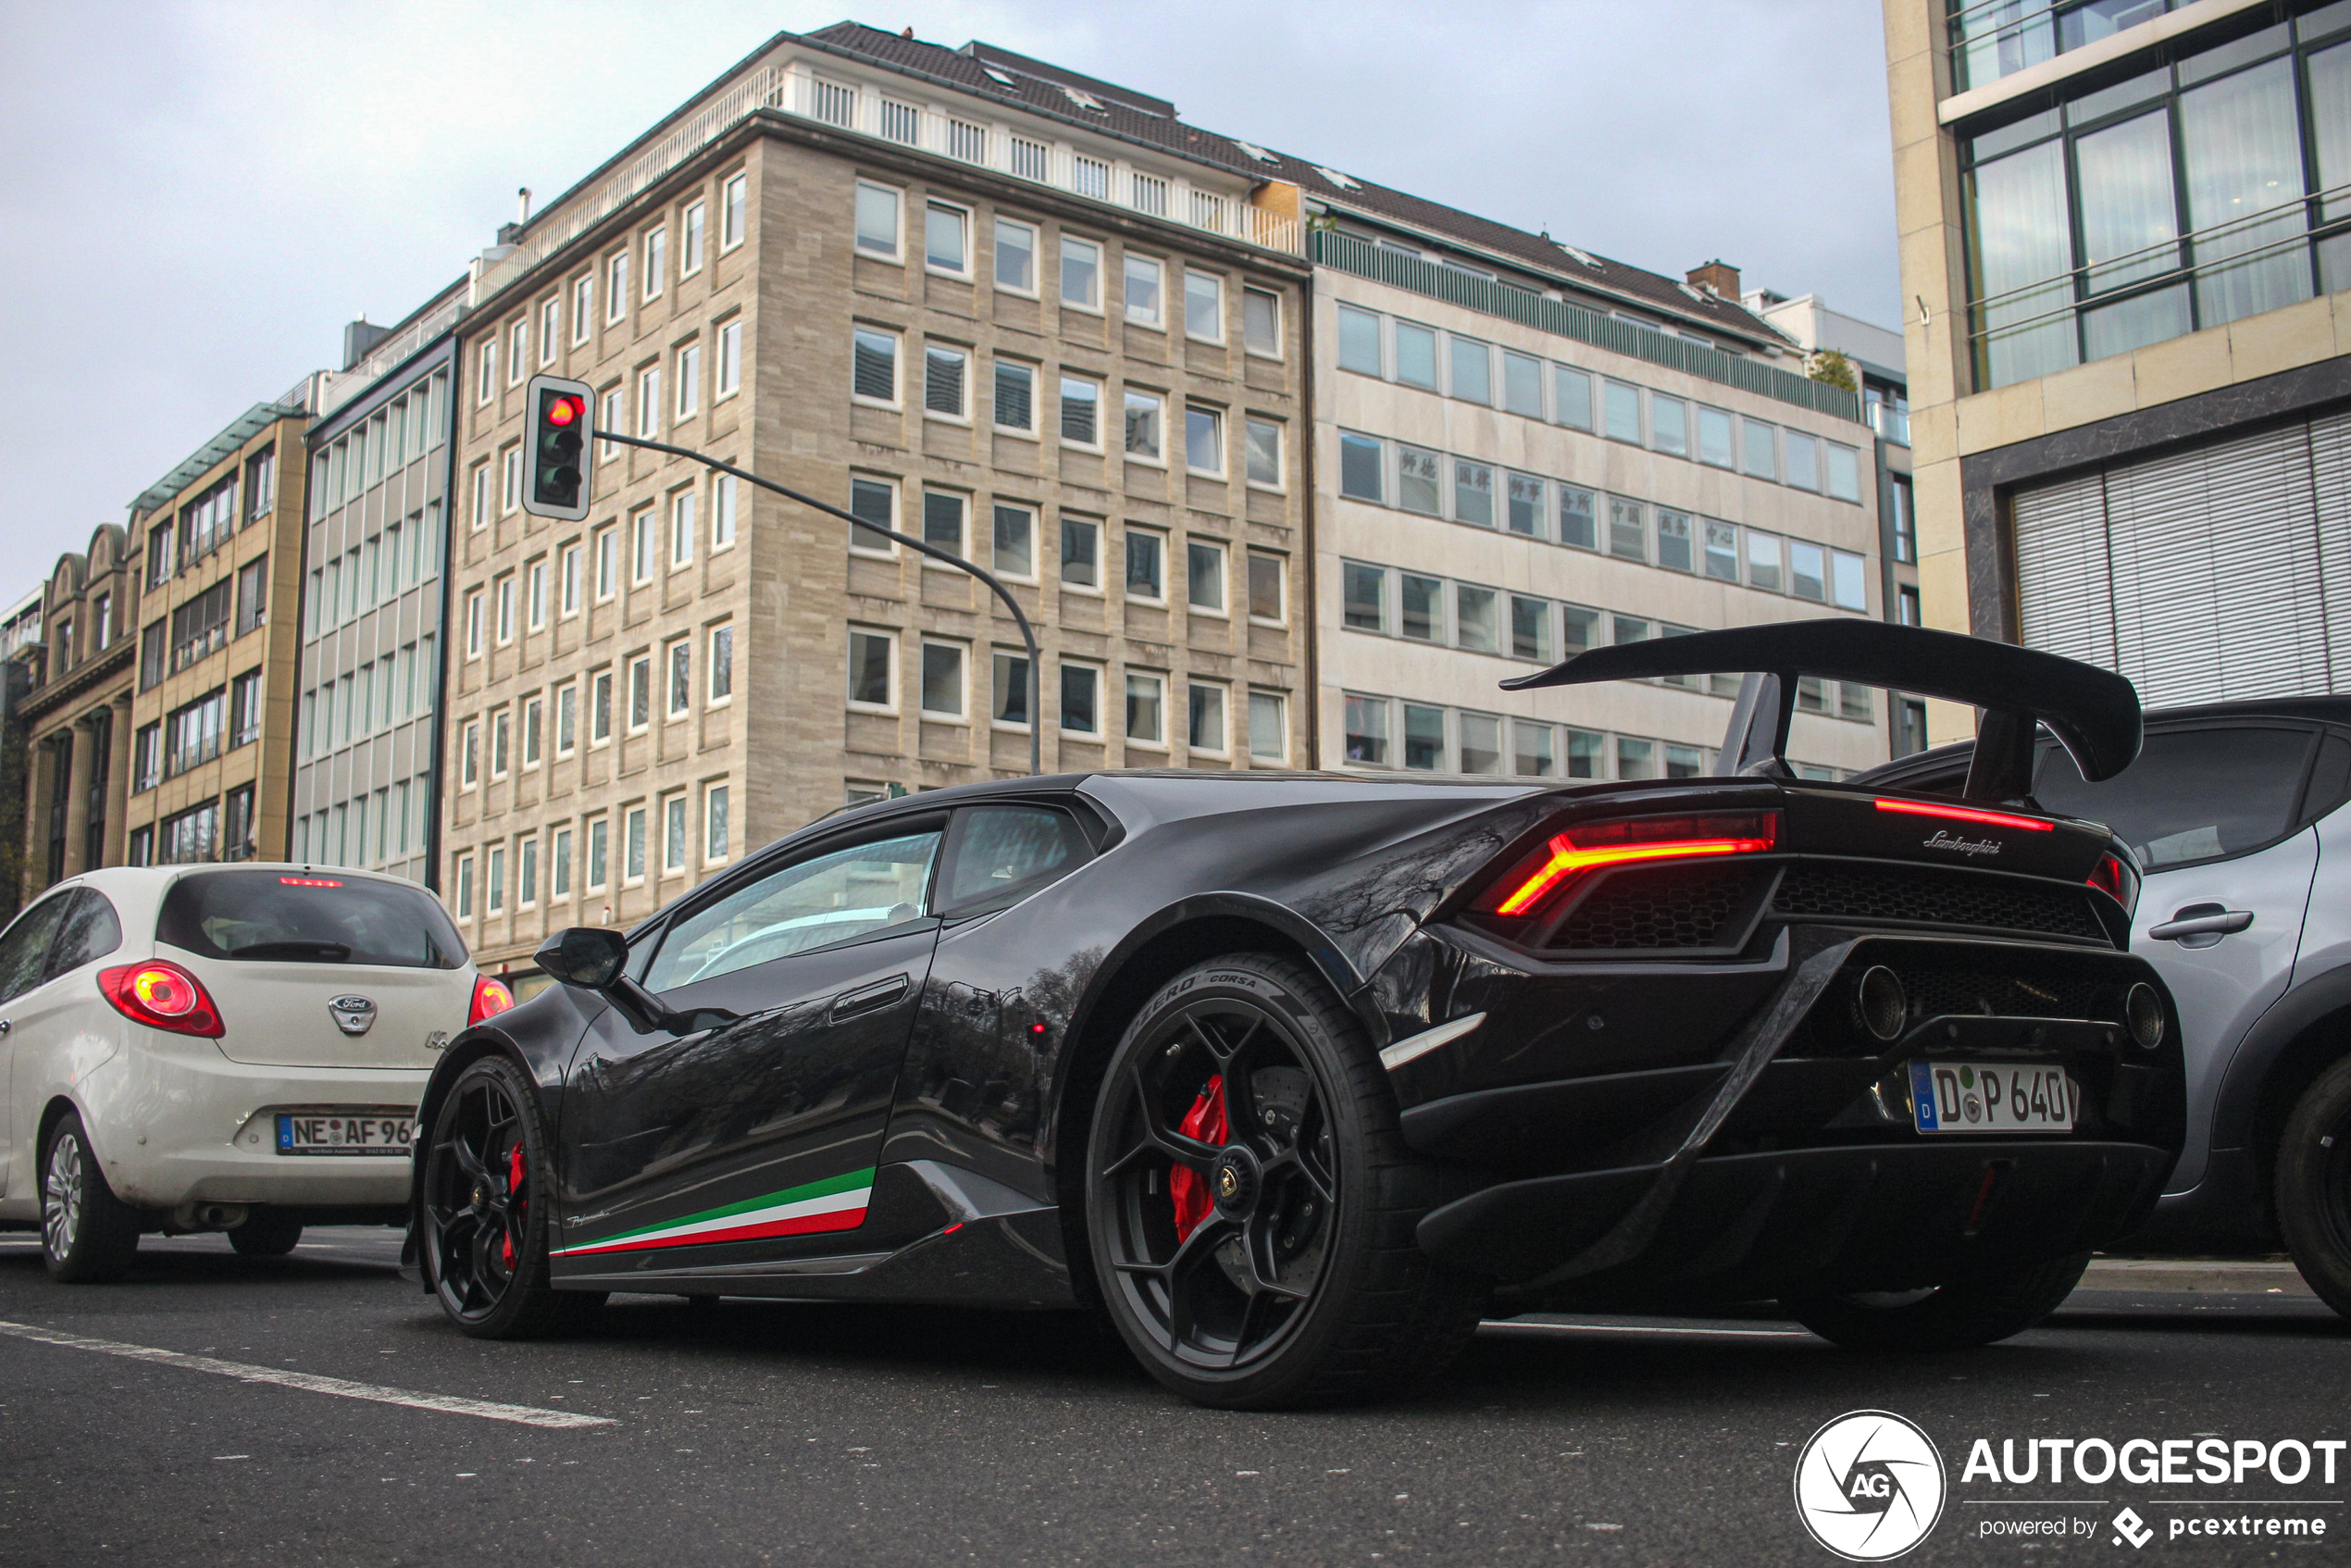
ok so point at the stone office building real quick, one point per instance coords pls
(74, 713)
(368, 735)
(217, 547)
(2127, 251)
(1034, 319)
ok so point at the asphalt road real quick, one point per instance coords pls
(752, 1432)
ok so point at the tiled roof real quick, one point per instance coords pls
(1135, 116)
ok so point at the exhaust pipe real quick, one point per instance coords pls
(203, 1214)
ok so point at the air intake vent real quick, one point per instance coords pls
(1909, 895)
(1676, 907)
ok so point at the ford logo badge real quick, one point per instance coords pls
(353, 1014)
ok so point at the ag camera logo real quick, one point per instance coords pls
(1868, 1485)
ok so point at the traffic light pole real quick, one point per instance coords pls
(1028, 633)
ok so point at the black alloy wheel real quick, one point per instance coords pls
(2313, 1186)
(485, 1224)
(1242, 1198)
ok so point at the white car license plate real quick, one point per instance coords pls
(1991, 1097)
(303, 1134)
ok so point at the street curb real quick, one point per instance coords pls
(2187, 1274)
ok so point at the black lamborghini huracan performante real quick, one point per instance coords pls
(1295, 1077)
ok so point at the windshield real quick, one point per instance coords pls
(300, 918)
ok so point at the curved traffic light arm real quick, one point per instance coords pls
(1028, 633)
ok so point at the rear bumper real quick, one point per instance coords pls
(173, 1121)
(1741, 1226)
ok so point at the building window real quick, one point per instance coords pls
(1268, 727)
(1015, 257)
(1015, 396)
(583, 304)
(943, 516)
(1763, 561)
(1361, 460)
(730, 359)
(504, 631)
(947, 239)
(1366, 730)
(1265, 459)
(1262, 323)
(877, 208)
(902, 122)
(1363, 595)
(1268, 589)
(1204, 307)
(469, 756)
(722, 663)
(633, 845)
(657, 260)
(245, 709)
(871, 678)
(1473, 493)
(1014, 546)
(1081, 405)
(599, 859)
(1081, 273)
(640, 693)
(501, 744)
(1081, 699)
(1204, 576)
(731, 212)
(518, 364)
(559, 865)
(689, 380)
(724, 490)
(533, 730)
(876, 502)
(1204, 441)
(1146, 569)
(146, 757)
(1902, 522)
(673, 835)
(599, 707)
(714, 827)
(679, 661)
(1081, 553)
(1145, 285)
(486, 370)
(681, 530)
(689, 245)
(648, 405)
(1417, 484)
(535, 596)
(608, 417)
(874, 374)
(570, 580)
(1146, 709)
(527, 872)
(642, 546)
(944, 381)
(942, 680)
(567, 720)
(1009, 681)
(1145, 416)
(1204, 726)
(607, 562)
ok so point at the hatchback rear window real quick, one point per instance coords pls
(2192, 794)
(284, 916)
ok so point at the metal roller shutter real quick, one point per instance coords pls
(2063, 578)
(2331, 473)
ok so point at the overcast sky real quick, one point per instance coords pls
(197, 195)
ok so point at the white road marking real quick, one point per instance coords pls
(1644, 1328)
(309, 1381)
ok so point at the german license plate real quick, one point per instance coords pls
(305, 1134)
(1991, 1097)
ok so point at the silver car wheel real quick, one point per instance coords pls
(61, 1196)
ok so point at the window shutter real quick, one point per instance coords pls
(2331, 473)
(2064, 599)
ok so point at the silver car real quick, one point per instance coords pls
(2236, 812)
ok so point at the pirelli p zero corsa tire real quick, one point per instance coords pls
(2313, 1186)
(482, 1227)
(1953, 1317)
(88, 1236)
(1250, 1203)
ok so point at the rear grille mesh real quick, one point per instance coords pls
(1668, 907)
(1930, 896)
(1939, 992)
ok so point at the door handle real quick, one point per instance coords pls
(2202, 920)
(869, 999)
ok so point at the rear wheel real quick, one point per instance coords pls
(1250, 1203)
(88, 1236)
(1950, 1317)
(267, 1233)
(2313, 1185)
(484, 1224)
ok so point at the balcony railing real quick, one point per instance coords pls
(2024, 321)
(1991, 39)
(791, 88)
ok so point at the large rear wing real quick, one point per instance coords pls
(2094, 712)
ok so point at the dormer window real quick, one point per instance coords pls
(1337, 179)
(1002, 78)
(1084, 100)
(1259, 153)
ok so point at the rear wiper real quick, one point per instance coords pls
(321, 953)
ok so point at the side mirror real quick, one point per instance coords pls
(587, 956)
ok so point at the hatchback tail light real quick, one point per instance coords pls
(490, 998)
(2117, 880)
(162, 995)
(1543, 878)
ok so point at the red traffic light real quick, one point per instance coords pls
(564, 410)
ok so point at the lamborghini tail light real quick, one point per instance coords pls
(1543, 878)
(2117, 879)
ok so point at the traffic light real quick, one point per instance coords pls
(555, 467)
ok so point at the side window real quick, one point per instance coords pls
(830, 896)
(2192, 794)
(1002, 854)
(24, 947)
(89, 931)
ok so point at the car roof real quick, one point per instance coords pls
(2318, 709)
(1337, 786)
(149, 881)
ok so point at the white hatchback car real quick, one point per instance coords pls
(195, 1048)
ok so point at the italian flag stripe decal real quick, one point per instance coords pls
(834, 1203)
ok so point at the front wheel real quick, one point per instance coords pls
(1950, 1317)
(2313, 1185)
(1250, 1203)
(88, 1235)
(484, 1223)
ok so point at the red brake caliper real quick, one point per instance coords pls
(513, 1185)
(1205, 1121)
